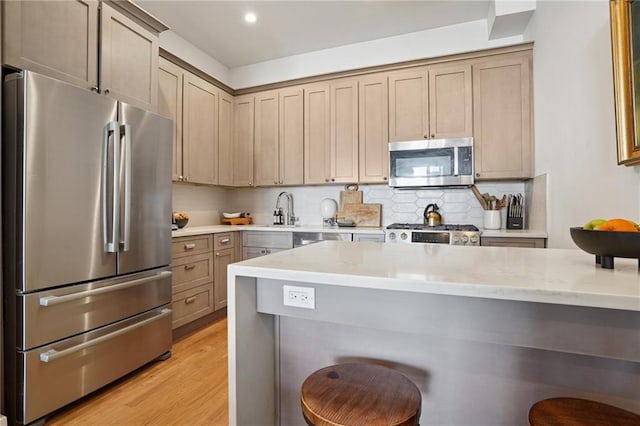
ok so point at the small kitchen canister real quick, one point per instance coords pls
(492, 219)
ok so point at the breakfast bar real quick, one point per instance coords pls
(483, 332)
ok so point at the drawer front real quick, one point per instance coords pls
(376, 238)
(52, 315)
(58, 374)
(192, 304)
(186, 246)
(192, 271)
(224, 241)
(266, 239)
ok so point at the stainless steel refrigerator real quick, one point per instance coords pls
(86, 184)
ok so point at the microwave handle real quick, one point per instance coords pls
(456, 171)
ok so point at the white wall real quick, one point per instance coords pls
(443, 41)
(575, 140)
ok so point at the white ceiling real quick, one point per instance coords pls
(286, 28)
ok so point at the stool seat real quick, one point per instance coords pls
(579, 412)
(360, 394)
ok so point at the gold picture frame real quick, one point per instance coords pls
(626, 78)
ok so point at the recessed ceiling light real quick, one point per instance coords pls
(250, 17)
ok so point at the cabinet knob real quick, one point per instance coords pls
(106, 91)
(94, 88)
(477, 174)
(218, 254)
(275, 182)
(249, 183)
(180, 177)
(426, 136)
(280, 182)
(385, 178)
(333, 180)
(433, 135)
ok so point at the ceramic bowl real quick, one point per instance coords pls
(231, 215)
(607, 245)
(181, 222)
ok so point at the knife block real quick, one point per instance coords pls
(515, 222)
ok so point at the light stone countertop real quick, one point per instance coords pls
(215, 229)
(558, 276)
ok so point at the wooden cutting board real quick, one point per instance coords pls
(350, 195)
(361, 214)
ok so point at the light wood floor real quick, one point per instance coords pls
(190, 388)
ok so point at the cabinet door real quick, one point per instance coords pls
(502, 117)
(291, 137)
(408, 105)
(374, 129)
(222, 259)
(170, 80)
(200, 130)
(266, 139)
(55, 38)
(317, 134)
(243, 141)
(450, 104)
(128, 60)
(344, 131)
(225, 142)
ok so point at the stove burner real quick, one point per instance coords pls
(421, 227)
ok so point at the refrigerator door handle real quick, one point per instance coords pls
(52, 354)
(126, 237)
(56, 300)
(109, 244)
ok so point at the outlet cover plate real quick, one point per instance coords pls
(299, 297)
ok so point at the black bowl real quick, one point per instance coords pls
(607, 244)
(181, 222)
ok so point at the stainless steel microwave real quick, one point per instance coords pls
(431, 162)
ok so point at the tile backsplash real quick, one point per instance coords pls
(457, 205)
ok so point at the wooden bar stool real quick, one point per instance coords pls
(579, 412)
(360, 394)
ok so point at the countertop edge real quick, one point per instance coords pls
(216, 229)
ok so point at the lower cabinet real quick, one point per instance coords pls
(262, 243)
(513, 242)
(199, 266)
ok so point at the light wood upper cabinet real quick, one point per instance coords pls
(343, 148)
(200, 130)
(431, 102)
(408, 105)
(243, 133)
(374, 129)
(129, 60)
(450, 101)
(502, 119)
(225, 139)
(279, 138)
(291, 122)
(331, 132)
(61, 39)
(317, 133)
(170, 83)
(54, 38)
(266, 140)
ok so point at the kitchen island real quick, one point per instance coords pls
(483, 332)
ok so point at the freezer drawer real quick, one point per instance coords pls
(55, 314)
(58, 374)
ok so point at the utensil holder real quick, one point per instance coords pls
(492, 219)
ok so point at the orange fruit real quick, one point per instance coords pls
(617, 225)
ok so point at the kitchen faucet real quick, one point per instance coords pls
(290, 217)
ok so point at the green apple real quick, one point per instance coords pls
(592, 224)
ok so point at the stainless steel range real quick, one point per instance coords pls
(459, 235)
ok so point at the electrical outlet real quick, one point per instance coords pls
(299, 297)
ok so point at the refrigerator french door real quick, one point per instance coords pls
(86, 239)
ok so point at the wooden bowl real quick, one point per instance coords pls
(607, 245)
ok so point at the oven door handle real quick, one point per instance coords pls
(51, 355)
(56, 300)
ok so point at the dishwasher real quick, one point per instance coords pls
(303, 238)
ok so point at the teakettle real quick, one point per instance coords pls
(431, 215)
